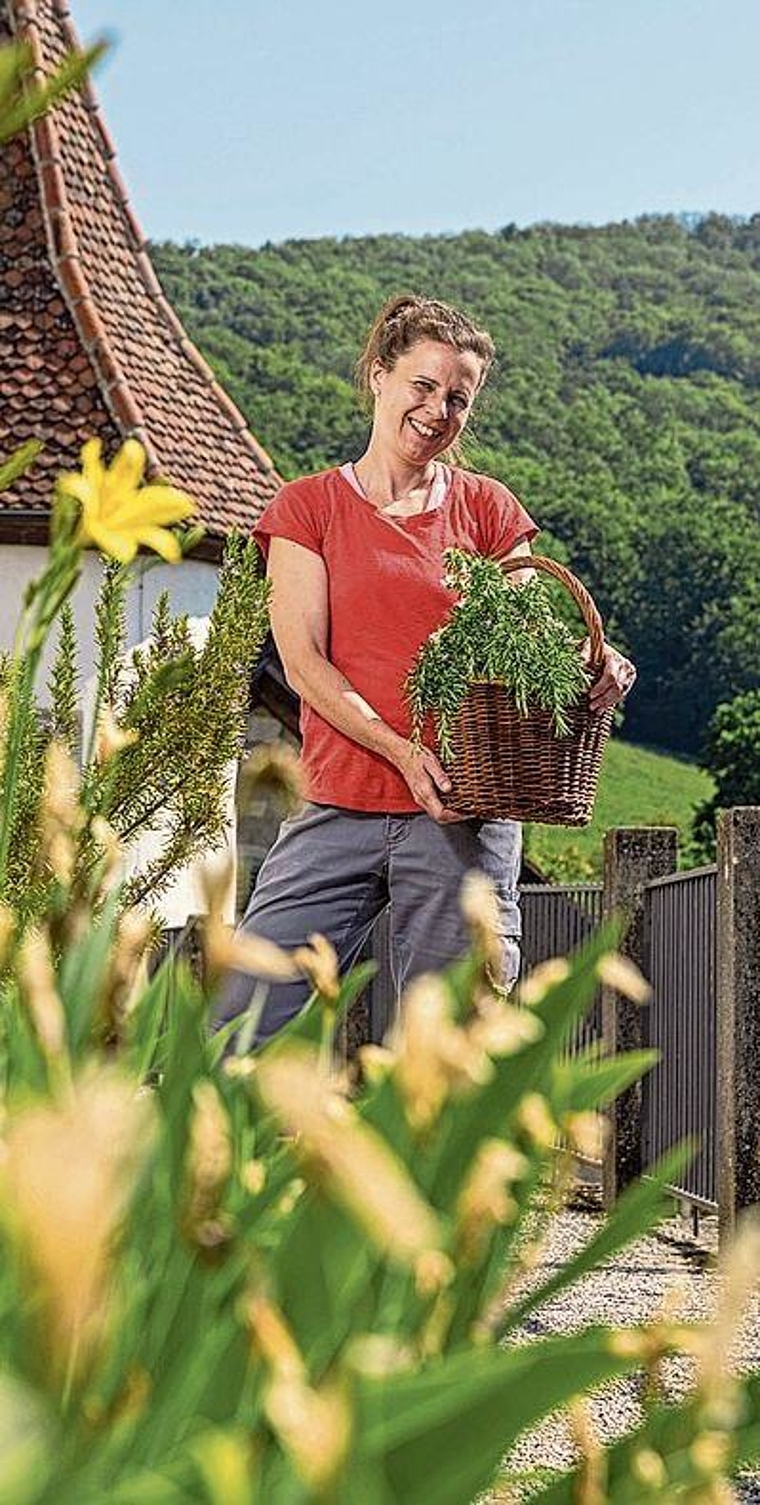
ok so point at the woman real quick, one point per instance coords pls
(354, 555)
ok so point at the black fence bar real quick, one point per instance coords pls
(556, 920)
(680, 1093)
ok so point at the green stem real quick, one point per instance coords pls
(326, 1044)
(47, 596)
(20, 707)
(161, 803)
(121, 581)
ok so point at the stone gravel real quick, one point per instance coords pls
(628, 1290)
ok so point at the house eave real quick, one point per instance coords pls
(20, 526)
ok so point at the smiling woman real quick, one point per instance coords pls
(355, 557)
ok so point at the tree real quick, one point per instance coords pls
(732, 756)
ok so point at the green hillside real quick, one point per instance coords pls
(637, 787)
(624, 409)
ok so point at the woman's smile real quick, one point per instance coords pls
(423, 429)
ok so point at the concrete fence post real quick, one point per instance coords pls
(738, 1011)
(631, 858)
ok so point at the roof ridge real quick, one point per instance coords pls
(113, 383)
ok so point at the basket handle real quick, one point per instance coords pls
(583, 599)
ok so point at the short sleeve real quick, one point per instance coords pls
(504, 520)
(296, 513)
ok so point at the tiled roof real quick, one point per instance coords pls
(88, 342)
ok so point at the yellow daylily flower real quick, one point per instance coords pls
(118, 512)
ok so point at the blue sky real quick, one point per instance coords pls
(249, 121)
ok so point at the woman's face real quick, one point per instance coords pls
(423, 403)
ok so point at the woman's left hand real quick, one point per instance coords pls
(617, 677)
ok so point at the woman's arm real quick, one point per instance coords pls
(300, 624)
(519, 577)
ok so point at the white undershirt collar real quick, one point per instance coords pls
(437, 490)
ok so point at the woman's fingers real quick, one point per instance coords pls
(426, 776)
(436, 770)
(614, 682)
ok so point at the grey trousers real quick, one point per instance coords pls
(334, 870)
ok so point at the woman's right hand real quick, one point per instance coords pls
(425, 776)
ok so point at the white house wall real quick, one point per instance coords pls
(191, 586)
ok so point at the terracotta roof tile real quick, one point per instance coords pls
(88, 342)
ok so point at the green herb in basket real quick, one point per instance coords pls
(500, 632)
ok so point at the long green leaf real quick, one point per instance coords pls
(581, 1086)
(19, 462)
(324, 1266)
(85, 967)
(20, 105)
(442, 1434)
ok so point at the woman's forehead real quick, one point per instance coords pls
(443, 362)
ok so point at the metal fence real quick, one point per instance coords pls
(680, 1094)
(556, 920)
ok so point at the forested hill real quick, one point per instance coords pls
(625, 409)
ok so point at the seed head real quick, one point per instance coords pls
(319, 961)
(347, 1156)
(617, 972)
(40, 994)
(208, 1163)
(434, 1056)
(542, 979)
(66, 1177)
(480, 907)
(485, 1199)
(314, 1427)
(272, 769)
(535, 1119)
(110, 737)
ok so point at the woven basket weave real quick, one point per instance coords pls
(508, 766)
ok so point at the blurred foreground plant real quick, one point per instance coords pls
(255, 1281)
(24, 97)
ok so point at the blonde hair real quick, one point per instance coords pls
(405, 320)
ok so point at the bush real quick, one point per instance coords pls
(732, 756)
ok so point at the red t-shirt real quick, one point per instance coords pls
(385, 595)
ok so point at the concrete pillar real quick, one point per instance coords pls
(738, 1011)
(631, 858)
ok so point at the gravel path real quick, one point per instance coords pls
(630, 1289)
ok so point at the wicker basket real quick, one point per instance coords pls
(506, 766)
